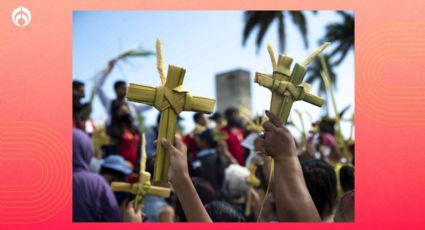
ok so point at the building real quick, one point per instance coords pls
(233, 89)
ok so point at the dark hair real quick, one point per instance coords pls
(116, 128)
(77, 84)
(118, 174)
(216, 116)
(220, 211)
(208, 137)
(230, 111)
(119, 84)
(197, 116)
(80, 110)
(327, 125)
(232, 118)
(205, 191)
(346, 177)
(320, 179)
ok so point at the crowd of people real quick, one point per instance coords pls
(222, 171)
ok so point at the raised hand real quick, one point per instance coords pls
(178, 160)
(278, 141)
(131, 214)
(178, 174)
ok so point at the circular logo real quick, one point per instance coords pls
(21, 16)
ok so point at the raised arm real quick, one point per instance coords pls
(106, 102)
(294, 203)
(182, 184)
(140, 108)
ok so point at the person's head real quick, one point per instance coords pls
(220, 211)
(205, 140)
(217, 118)
(120, 88)
(205, 191)
(77, 95)
(235, 184)
(232, 117)
(327, 125)
(82, 150)
(327, 145)
(77, 89)
(320, 179)
(200, 119)
(120, 119)
(80, 111)
(346, 177)
(121, 112)
(114, 168)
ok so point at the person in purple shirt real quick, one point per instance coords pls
(93, 200)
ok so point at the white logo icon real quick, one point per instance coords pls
(21, 16)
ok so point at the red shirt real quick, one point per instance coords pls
(128, 146)
(234, 143)
(190, 141)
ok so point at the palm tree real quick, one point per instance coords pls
(264, 19)
(341, 34)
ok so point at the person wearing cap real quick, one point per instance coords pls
(115, 168)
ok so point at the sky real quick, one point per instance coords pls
(203, 42)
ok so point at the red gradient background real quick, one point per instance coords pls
(35, 111)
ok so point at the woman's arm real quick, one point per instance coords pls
(179, 178)
(223, 149)
(294, 203)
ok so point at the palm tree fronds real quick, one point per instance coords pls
(281, 32)
(134, 53)
(264, 19)
(267, 20)
(300, 22)
(251, 20)
(341, 34)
